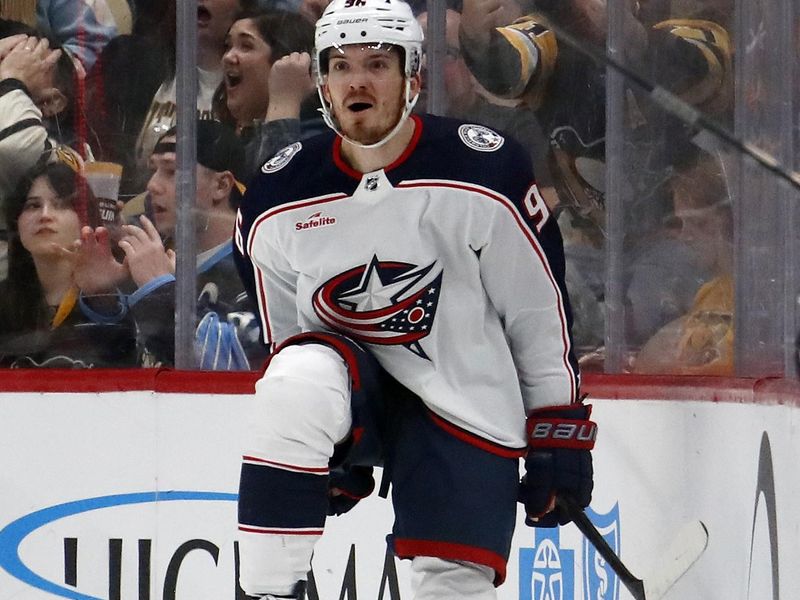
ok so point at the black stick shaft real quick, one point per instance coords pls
(633, 584)
(680, 109)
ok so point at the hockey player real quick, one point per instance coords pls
(410, 284)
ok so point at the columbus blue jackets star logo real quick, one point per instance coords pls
(386, 303)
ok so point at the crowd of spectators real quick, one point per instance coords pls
(96, 81)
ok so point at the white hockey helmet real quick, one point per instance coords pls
(371, 22)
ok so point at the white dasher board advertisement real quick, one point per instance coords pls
(132, 496)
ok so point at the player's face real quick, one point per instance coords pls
(247, 62)
(365, 87)
(47, 219)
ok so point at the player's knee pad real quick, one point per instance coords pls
(439, 579)
(302, 406)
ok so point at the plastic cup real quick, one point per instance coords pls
(103, 178)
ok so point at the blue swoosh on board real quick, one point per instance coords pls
(13, 534)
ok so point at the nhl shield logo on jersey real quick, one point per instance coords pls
(281, 158)
(480, 138)
(382, 302)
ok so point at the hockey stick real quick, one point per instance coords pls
(680, 109)
(687, 546)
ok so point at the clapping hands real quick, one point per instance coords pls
(145, 254)
(97, 271)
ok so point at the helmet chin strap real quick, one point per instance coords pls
(331, 122)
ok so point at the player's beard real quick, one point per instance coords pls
(365, 132)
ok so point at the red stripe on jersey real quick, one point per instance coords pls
(412, 145)
(534, 244)
(237, 232)
(341, 164)
(357, 175)
(404, 548)
(286, 466)
(474, 440)
(280, 531)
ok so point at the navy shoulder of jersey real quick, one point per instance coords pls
(473, 154)
(468, 152)
(303, 169)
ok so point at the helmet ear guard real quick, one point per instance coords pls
(368, 22)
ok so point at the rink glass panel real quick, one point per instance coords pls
(659, 252)
(634, 269)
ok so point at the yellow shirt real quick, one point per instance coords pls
(700, 342)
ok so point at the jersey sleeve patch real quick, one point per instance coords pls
(281, 158)
(480, 138)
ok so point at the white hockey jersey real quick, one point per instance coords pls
(445, 265)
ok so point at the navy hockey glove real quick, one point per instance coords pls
(559, 462)
(347, 486)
